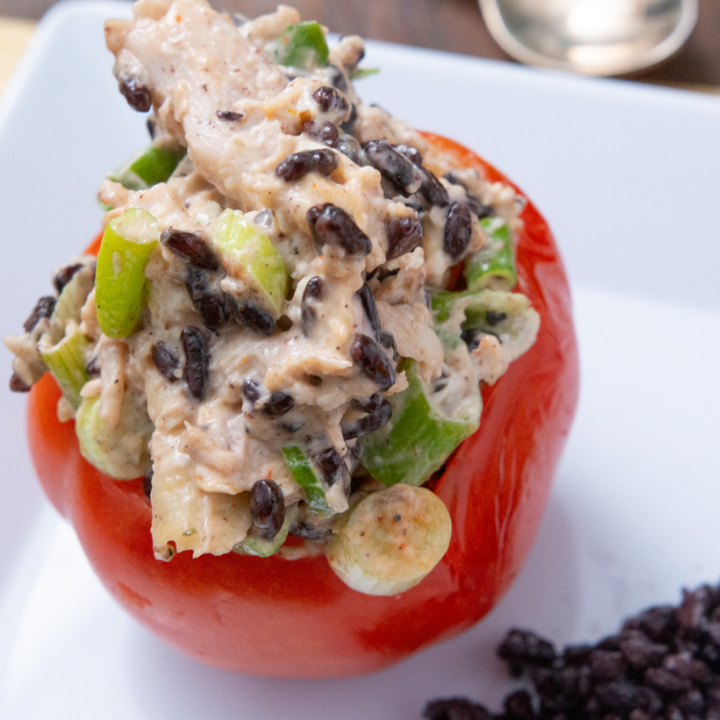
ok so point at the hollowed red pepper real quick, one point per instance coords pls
(271, 616)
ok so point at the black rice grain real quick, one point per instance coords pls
(313, 292)
(190, 247)
(65, 275)
(367, 300)
(229, 116)
(330, 100)
(372, 360)
(251, 390)
(137, 95)
(43, 309)
(253, 317)
(17, 384)
(331, 467)
(395, 168)
(165, 361)
(279, 403)
(331, 225)
(369, 423)
(210, 305)
(297, 165)
(196, 372)
(403, 235)
(458, 230)
(267, 507)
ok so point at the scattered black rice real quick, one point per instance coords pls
(43, 309)
(331, 466)
(329, 99)
(252, 317)
(267, 507)
(331, 225)
(279, 403)
(368, 423)
(190, 247)
(229, 115)
(297, 165)
(664, 664)
(403, 235)
(394, 167)
(65, 275)
(367, 300)
(372, 360)
(197, 361)
(327, 133)
(17, 384)
(458, 229)
(209, 304)
(137, 95)
(313, 291)
(251, 390)
(165, 361)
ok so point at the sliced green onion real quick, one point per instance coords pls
(120, 452)
(251, 258)
(262, 547)
(493, 266)
(391, 540)
(149, 167)
(507, 315)
(72, 298)
(301, 46)
(66, 361)
(120, 276)
(360, 73)
(419, 436)
(304, 475)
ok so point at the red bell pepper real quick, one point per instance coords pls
(272, 616)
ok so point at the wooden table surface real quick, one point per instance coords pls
(452, 25)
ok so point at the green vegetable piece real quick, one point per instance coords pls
(507, 315)
(391, 540)
(419, 436)
(120, 276)
(149, 167)
(304, 475)
(360, 73)
(301, 46)
(66, 361)
(251, 260)
(262, 547)
(493, 266)
(120, 452)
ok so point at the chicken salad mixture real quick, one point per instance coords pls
(271, 332)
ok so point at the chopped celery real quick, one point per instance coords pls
(263, 547)
(506, 315)
(301, 46)
(493, 266)
(390, 540)
(250, 258)
(66, 361)
(419, 436)
(120, 452)
(149, 167)
(126, 245)
(304, 475)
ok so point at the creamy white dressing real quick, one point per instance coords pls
(216, 92)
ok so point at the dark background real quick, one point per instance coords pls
(451, 25)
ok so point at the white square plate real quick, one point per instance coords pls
(629, 177)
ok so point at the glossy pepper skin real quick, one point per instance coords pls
(270, 616)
